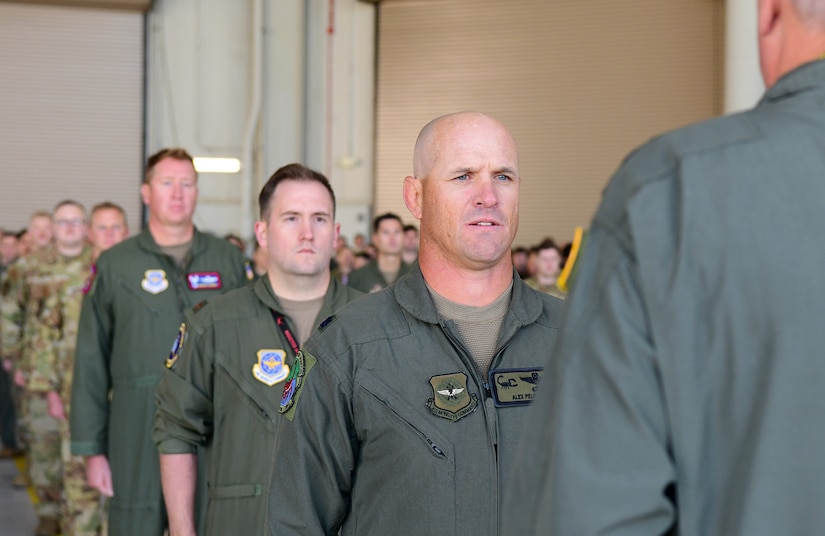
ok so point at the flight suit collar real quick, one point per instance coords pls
(336, 295)
(412, 294)
(808, 76)
(147, 242)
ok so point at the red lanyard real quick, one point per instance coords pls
(280, 321)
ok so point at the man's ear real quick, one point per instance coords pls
(768, 17)
(412, 195)
(145, 190)
(260, 233)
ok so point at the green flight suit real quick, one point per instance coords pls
(218, 393)
(394, 430)
(688, 390)
(127, 325)
(369, 278)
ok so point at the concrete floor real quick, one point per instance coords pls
(16, 510)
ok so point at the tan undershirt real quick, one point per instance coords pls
(178, 253)
(302, 315)
(478, 326)
(390, 277)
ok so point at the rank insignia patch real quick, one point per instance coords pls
(270, 368)
(177, 346)
(451, 400)
(154, 281)
(329, 320)
(294, 383)
(514, 387)
(204, 281)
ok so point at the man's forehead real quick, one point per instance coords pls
(107, 214)
(68, 209)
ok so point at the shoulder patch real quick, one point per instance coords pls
(177, 346)
(89, 285)
(294, 383)
(250, 272)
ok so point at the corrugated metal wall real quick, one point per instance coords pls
(71, 109)
(580, 83)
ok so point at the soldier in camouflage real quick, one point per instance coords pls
(83, 512)
(41, 310)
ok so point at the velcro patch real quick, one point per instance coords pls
(204, 281)
(294, 383)
(514, 387)
(451, 400)
(177, 346)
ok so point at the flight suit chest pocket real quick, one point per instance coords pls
(404, 419)
(150, 302)
(255, 397)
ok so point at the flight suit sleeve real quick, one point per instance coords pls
(602, 464)
(316, 452)
(183, 418)
(89, 418)
(12, 300)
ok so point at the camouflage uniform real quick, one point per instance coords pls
(11, 336)
(43, 307)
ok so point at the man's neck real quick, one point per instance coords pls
(409, 255)
(171, 235)
(476, 287)
(389, 262)
(546, 280)
(298, 287)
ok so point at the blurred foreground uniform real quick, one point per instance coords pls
(687, 393)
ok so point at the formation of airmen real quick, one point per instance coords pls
(676, 390)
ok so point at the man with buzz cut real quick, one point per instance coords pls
(233, 358)
(138, 297)
(381, 272)
(402, 415)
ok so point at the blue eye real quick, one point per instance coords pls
(462, 177)
(502, 177)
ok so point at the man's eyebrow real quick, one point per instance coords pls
(506, 169)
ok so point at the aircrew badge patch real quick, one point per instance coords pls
(514, 387)
(154, 281)
(270, 368)
(451, 400)
(294, 383)
(177, 346)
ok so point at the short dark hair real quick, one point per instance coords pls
(291, 172)
(376, 223)
(108, 205)
(547, 243)
(175, 153)
(410, 227)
